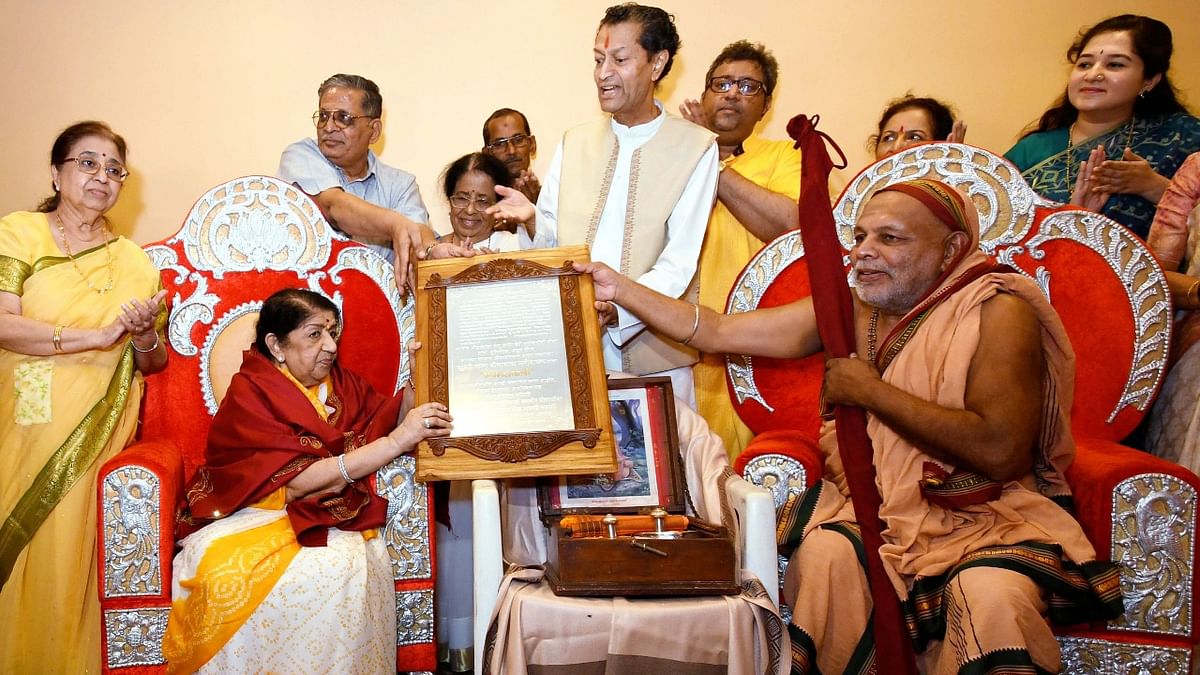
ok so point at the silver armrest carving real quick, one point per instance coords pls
(1153, 541)
(1101, 657)
(131, 533)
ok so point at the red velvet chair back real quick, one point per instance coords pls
(242, 241)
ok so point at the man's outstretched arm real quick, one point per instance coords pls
(363, 220)
(789, 331)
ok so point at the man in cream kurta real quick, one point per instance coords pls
(637, 187)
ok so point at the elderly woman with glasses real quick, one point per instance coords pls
(79, 313)
(470, 187)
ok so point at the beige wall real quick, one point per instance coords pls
(205, 91)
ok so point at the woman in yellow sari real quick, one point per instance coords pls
(78, 313)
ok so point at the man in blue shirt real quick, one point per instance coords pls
(372, 202)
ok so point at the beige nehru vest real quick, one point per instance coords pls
(658, 174)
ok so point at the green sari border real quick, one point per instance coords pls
(794, 516)
(65, 467)
(52, 260)
(1086, 144)
(13, 273)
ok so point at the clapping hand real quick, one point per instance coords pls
(138, 317)
(1085, 193)
(691, 111)
(958, 132)
(1129, 175)
(529, 185)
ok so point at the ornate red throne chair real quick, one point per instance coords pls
(242, 241)
(1113, 299)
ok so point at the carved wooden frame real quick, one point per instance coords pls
(588, 447)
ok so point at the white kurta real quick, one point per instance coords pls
(672, 272)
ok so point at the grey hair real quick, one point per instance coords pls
(372, 99)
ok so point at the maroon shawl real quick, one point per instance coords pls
(267, 432)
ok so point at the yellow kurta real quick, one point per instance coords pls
(49, 602)
(728, 246)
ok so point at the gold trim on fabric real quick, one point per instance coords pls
(1094, 141)
(610, 170)
(52, 260)
(13, 274)
(71, 461)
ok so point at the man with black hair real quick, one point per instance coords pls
(506, 136)
(636, 185)
(756, 202)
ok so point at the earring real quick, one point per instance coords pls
(1142, 93)
(56, 186)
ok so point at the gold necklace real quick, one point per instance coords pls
(62, 231)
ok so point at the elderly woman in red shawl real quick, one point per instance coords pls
(285, 572)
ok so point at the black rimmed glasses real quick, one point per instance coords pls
(745, 86)
(341, 118)
(518, 141)
(91, 164)
(461, 200)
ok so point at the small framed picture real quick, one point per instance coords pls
(648, 472)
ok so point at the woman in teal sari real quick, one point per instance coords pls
(1117, 136)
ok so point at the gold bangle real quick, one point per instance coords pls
(57, 340)
(695, 326)
(1193, 294)
(149, 349)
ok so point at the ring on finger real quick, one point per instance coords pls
(428, 423)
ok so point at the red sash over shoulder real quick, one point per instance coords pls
(267, 432)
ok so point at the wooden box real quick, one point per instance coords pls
(700, 560)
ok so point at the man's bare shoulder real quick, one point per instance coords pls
(1009, 332)
(1007, 312)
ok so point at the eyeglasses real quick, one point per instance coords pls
(518, 141)
(461, 201)
(90, 164)
(745, 86)
(341, 118)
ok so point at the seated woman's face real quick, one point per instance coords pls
(311, 348)
(473, 194)
(903, 129)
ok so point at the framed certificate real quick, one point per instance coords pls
(511, 346)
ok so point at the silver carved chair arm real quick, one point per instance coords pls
(138, 490)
